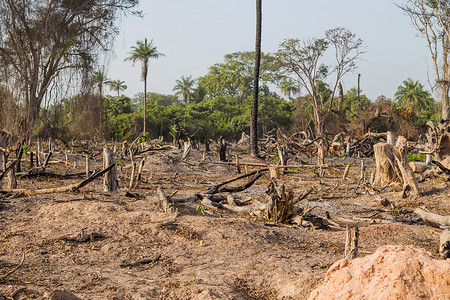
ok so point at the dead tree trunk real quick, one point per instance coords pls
(186, 150)
(351, 243)
(222, 149)
(387, 170)
(12, 182)
(110, 181)
(409, 180)
(165, 202)
(438, 140)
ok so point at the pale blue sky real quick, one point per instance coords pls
(196, 34)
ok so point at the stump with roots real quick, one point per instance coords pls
(280, 202)
(392, 166)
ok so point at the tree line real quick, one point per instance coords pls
(52, 86)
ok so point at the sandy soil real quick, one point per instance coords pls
(77, 242)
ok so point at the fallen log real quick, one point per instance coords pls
(432, 219)
(418, 167)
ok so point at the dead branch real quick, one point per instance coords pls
(141, 262)
(219, 189)
(442, 167)
(15, 269)
(8, 168)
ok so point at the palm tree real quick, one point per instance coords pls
(117, 85)
(100, 79)
(254, 110)
(185, 88)
(412, 94)
(288, 87)
(142, 52)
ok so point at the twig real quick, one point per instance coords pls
(141, 262)
(15, 269)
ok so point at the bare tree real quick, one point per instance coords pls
(347, 49)
(41, 39)
(432, 20)
(300, 61)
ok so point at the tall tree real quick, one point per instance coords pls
(39, 40)
(347, 49)
(142, 52)
(299, 61)
(185, 87)
(254, 110)
(117, 85)
(432, 20)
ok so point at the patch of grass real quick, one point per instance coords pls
(417, 157)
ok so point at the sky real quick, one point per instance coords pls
(196, 34)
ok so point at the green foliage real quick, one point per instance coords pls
(234, 77)
(350, 106)
(199, 209)
(119, 105)
(185, 88)
(417, 157)
(414, 103)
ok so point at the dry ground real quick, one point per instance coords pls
(77, 241)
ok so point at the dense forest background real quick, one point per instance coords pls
(217, 104)
(53, 87)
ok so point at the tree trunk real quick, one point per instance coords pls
(222, 149)
(444, 90)
(340, 99)
(390, 138)
(387, 170)
(110, 181)
(12, 182)
(400, 153)
(145, 105)
(254, 111)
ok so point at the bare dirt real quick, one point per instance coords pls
(77, 242)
